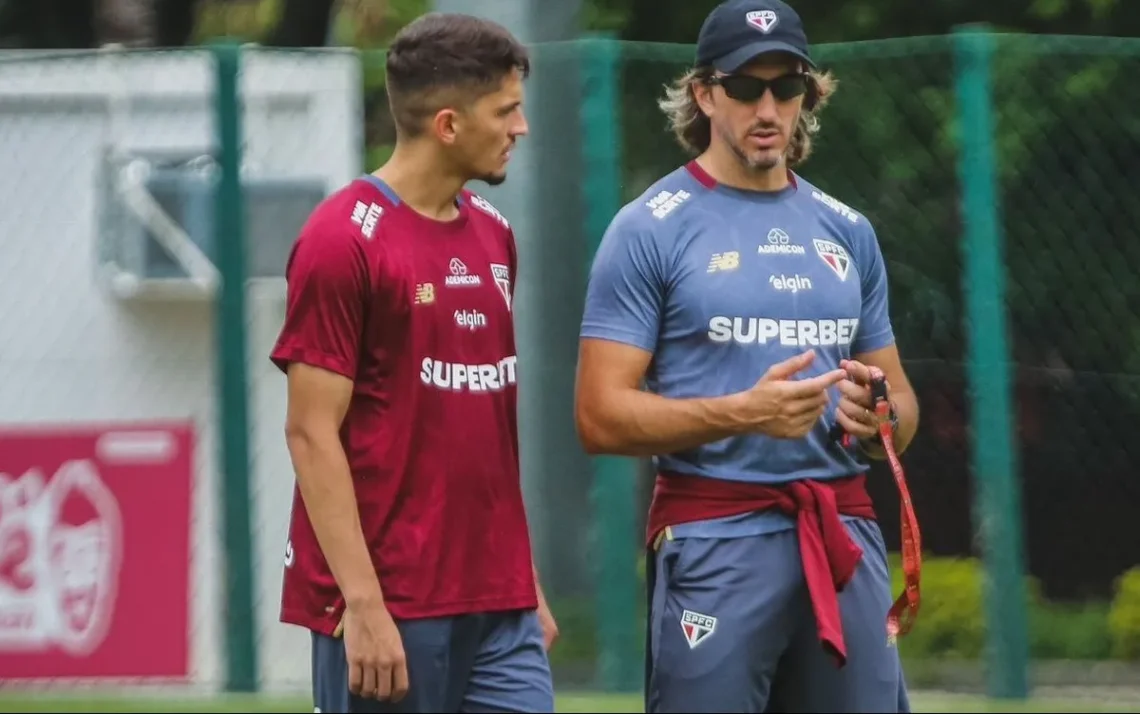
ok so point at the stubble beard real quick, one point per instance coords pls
(759, 163)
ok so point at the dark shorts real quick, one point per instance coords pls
(472, 663)
(731, 629)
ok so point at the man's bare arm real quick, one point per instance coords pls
(318, 401)
(615, 416)
(902, 396)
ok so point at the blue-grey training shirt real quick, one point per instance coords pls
(721, 283)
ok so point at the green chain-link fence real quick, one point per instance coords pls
(998, 171)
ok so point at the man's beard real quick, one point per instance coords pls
(492, 179)
(765, 162)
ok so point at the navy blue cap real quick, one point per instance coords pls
(736, 31)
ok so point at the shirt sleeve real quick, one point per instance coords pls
(625, 293)
(327, 288)
(875, 329)
(513, 253)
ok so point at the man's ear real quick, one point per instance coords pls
(445, 124)
(702, 94)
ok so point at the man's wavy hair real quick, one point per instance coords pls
(693, 129)
(447, 59)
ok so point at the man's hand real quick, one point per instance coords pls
(546, 620)
(377, 666)
(856, 411)
(549, 626)
(787, 408)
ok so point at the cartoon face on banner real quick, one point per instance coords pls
(60, 552)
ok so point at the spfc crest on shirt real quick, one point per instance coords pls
(834, 255)
(502, 276)
(697, 627)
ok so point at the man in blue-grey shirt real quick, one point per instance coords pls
(751, 305)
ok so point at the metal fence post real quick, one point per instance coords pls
(997, 509)
(613, 491)
(232, 381)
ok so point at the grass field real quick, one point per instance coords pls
(923, 702)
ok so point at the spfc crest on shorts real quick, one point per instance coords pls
(697, 627)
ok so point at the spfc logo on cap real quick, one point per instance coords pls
(763, 20)
(834, 255)
(697, 627)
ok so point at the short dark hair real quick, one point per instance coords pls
(444, 58)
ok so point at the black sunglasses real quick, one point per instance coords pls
(746, 88)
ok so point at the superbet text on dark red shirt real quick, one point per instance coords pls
(417, 312)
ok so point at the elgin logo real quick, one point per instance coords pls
(697, 627)
(60, 553)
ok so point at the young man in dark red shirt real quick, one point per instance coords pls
(409, 557)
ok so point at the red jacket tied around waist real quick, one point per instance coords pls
(829, 555)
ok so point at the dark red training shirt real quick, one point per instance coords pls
(418, 313)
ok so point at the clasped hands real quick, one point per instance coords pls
(786, 408)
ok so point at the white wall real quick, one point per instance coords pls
(72, 352)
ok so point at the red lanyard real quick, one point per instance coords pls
(904, 611)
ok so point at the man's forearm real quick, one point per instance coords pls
(325, 482)
(906, 406)
(637, 423)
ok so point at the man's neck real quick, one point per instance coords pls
(421, 182)
(722, 164)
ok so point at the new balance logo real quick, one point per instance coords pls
(721, 262)
(425, 293)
